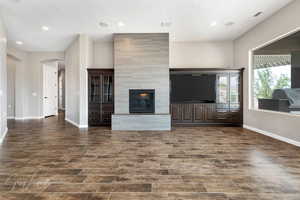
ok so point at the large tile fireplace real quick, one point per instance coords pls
(141, 74)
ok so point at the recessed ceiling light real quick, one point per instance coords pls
(103, 24)
(214, 23)
(257, 14)
(120, 24)
(166, 24)
(19, 42)
(229, 24)
(45, 28)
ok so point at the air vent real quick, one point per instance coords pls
(257, 14)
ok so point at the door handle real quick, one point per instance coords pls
(45, 97)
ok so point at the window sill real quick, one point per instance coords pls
(273, 112)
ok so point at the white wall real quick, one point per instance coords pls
(11, 85)
(3, 82)
(182, 54)
(286, 20)
(78, 57)
(201, 54)
(29, 81)
(72, 82)
(103, 55)
(20, 85)
(34, 81)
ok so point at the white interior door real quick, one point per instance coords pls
(50, 90)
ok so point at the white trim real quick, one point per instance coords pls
(75, 124)
(3, 136)
(272, 135)
(11, 117)
(30, 117)
(274, 112)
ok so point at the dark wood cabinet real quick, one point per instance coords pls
(226, 110)
(197, 113)
(100, 96)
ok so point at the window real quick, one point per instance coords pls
(275, 76)
(228, 94)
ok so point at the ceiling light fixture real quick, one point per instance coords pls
(103, 24)
(19, 42)
(45, 28)
(258, 14)
(214, 23)
(121, 24)
(166, 24)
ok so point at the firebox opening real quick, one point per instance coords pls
(141, 101)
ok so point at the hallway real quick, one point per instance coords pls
(51, 159)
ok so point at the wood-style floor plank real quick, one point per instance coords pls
(51, 159)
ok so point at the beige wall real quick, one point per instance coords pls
(72, 82)
(34, 81)
(103, 55)
(3, 82)
(284, 21)
(182, 54)
(78, 57)
(29, 81)
(201, 54)
(11, 85)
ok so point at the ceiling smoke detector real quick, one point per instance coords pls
(258, 14)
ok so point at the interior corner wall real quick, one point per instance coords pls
(11, 86)
(282, 22)
(20, 84)
(3, 82)
(78, 57)
(72, 63)
(86, 52)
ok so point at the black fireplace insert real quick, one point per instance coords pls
(141, 101)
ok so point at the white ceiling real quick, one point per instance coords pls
(190, 19)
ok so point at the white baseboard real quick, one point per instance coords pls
(30, 117)
(272, 135)
(3, 136)
(75, 124)
(10, 117)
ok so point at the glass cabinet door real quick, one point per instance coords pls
(228, 91)
(95, 88)
(234, 94)
(222, 92)
(107, 89)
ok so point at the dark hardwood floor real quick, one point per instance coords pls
(51, 159)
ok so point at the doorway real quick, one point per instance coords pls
(50, 89)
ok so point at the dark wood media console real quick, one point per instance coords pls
(203, 114)
(226, 110)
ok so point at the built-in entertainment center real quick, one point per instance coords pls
(197, 97)
(206, 97)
